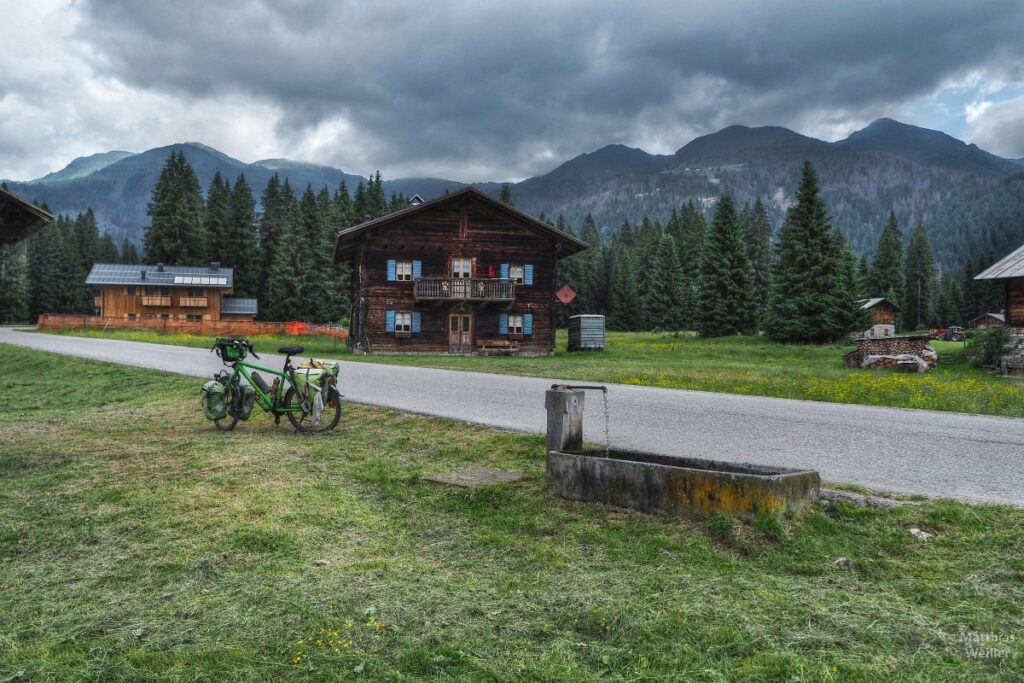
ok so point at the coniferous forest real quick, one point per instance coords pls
(720, 270)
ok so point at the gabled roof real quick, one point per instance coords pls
(348, 237)
(160, 276)
(19, 219)
(1011, 266)
(235, 306)
(995, 316)
(871, 303)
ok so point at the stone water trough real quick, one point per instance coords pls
(660, 483)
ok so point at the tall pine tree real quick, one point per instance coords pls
(887, 275)
(920, 281)
(175, 234)
(14, 286)
(725, 288)
(806, 302)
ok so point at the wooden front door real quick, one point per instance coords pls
(460, 332)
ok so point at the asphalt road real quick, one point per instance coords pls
(970, 457)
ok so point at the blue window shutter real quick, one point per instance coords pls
(503, 323)
(417, 270)
(391, 270)
(389, 324)
(504, 271)
(528, 274)
(528, 323)
(416, 322)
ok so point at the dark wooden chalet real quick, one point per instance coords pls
(883, 317)
(1009, 272)
(19, 219)
(463, 273)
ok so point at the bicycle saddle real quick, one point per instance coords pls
(291, 350)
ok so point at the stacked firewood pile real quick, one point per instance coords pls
(905, 354)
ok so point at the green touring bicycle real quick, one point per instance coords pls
(308, 394)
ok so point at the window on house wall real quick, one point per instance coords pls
(131, 316)
(165, 316)
(150, 291)
(515, 324)
(519, 273)
(194, 318)
(403, 323)
(165, 291)
(131, 291)
(462, 267)
(403, 271)
(196, 291)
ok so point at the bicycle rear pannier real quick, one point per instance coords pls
(212, 400)
(308, 381)
(248, 400)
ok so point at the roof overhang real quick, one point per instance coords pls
(346, 246)
(20, 219)
(1011, 266)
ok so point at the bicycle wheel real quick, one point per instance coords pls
(233, 398)
(303, 421)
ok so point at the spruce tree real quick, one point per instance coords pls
(82, 254)
(594, 274)
(624, 293)
(217, 221)
(806, 303)
(243, 254)
(49, 262)
(920, 281)
(506, 194)
(665, 299)
(14, 285)
(108, 251)
(758, 234)
(175, 234)
(887, 275)
(129, 254)
(725, 287)
(274, 230)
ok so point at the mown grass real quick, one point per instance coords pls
(735, 365)
(137, 543)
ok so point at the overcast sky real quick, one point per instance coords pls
(477, 90)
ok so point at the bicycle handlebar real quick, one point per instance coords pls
(236, 343)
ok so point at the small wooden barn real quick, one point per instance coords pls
(1010, 273)
(463, 273)
(19, 219)
(987, 320)
(883, 317)
(161, 292)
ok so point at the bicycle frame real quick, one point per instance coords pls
(269, 403)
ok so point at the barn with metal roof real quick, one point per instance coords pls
(1010, 272)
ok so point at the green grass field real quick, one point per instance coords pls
(737, 365)
(137, 543)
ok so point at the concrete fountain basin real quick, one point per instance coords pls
(679, 485)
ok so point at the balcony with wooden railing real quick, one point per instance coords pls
(156, 301)
(463, 289)
(192, 302)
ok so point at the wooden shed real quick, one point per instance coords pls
(463, 273)
(586, 332)
(883, 317)
(987, 320)
(19, 219)
(1010, 273)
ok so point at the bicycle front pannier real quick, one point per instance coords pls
(212, 400)
(248, 400)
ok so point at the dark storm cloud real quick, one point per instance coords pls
(515, 87)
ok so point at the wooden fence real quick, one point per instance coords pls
(241, 328)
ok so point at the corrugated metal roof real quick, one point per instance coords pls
(871, 303)
(1011, 266)
(170, 276)
(238, 306)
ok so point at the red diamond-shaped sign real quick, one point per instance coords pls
(566, 294)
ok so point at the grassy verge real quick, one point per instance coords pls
(137, 543)
(737, 365)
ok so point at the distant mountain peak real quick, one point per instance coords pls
(608, 160)
(736, 140)
(926, 147)
(83, 166)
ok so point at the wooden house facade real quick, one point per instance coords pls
(1010, 273)
(159, 292)
(463, 273)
